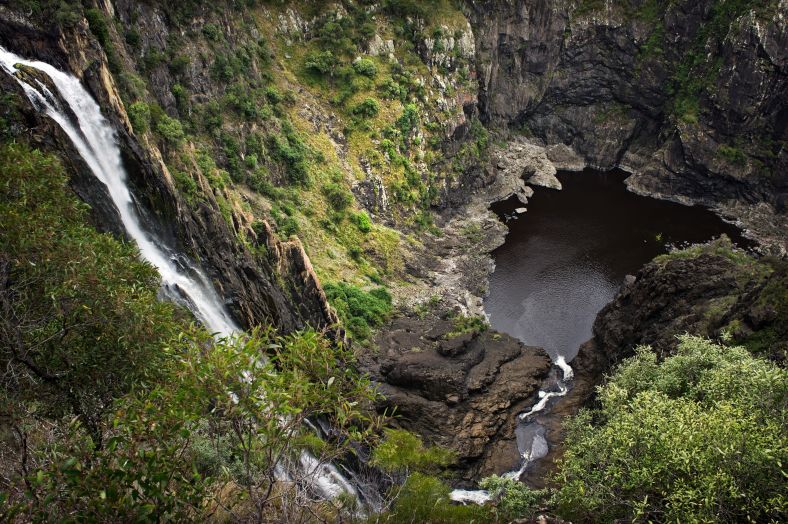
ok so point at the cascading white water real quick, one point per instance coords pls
(96, 142)
(537, 448)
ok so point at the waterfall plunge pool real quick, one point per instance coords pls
(567, 256)
(563, 260)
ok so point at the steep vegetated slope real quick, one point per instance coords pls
(273, 116)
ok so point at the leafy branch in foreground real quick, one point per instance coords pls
(114, 409)
(227, 433)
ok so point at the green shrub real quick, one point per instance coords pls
(98, 25)
(251, 161)
(181, 95)
(514, 500)
(409, 120)
(359, 310)
(260, 181)
(171, 130)
(290, 149)
(68, 14)
(287, 226)
(468, 324)
(687, 108)
(732, 154)
(424, 498)
(365, 67)
(273, 95)
(321, 63)
(362, 221)
(153, 59)
(410, 8)
(133, 38)
(391, 90)
(186, 184)
(212, 32)
(401, 451)
(179, 65)
(140, 116)
(338, 197)
(212, 116)
(368, 108)
(698, 437)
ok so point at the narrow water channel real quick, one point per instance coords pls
(566, 257)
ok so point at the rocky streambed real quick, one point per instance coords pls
(465, 387)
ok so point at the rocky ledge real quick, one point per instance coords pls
(710, 290)
(462, 390)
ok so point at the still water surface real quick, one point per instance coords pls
(567, 256)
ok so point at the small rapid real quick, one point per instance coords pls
(183, 281)
(531, 440)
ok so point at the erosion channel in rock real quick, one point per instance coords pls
(565, 258)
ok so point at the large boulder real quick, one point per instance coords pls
(462, 390)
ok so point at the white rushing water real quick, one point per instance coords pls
(536, 449)
(96, 141)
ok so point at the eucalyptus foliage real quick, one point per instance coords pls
(113, 408)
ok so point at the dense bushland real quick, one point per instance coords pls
(698, 437)
(116, 407)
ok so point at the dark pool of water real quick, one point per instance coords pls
(567, 256)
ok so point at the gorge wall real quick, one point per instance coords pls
(688, 96)
(279, 288)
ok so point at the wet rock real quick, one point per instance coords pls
(463, 391)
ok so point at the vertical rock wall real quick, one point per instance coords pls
(687, 96)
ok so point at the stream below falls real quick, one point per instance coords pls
(564, 259)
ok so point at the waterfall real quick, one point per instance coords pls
(182, 279)
(96, 142)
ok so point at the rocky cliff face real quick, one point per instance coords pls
(708, 290)
(280, 288)
(689, 96)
